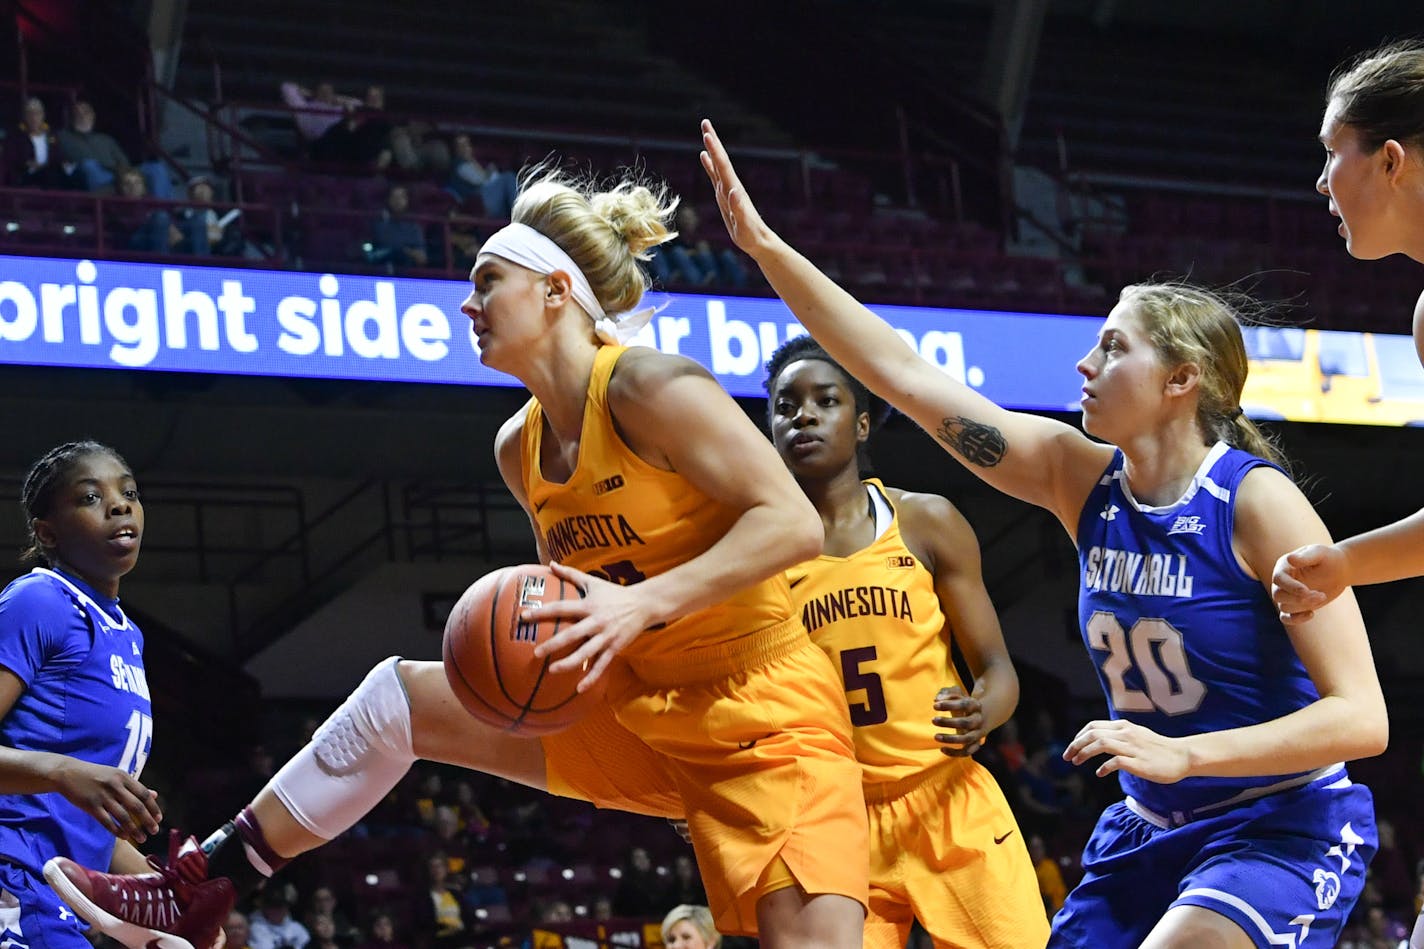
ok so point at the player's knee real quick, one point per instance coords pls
(374, 719)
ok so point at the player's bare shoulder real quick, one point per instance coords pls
(644, 373)
(653, 397)
(932, 526)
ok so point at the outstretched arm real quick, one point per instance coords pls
(1310, 577)
(1034, 459)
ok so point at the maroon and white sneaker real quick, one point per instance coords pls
(173, 907)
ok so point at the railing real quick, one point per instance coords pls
(24, 89)
(64, 222)
(276, 561)
(917, 172)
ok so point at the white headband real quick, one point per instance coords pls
(523, 245)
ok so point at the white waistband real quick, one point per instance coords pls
(1178, 818)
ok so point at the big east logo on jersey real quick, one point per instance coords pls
(1187, 524)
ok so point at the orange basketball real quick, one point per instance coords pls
(489, 654)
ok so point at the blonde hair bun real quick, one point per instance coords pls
(638, 214)
(606, 230)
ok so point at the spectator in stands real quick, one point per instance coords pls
(602, 909)
(1050, 879)
(369, 131)
(396, 240)
(431, 795)
(415, 147)
(383, 933)
(1010, 748)
(236, 933)
(639, 890)
(34, 155)
(469, 178)
(274, 927)
(523, 822)
(548, 916)
(208, 231)
(320, 116)
(323, 933)
(1004, 756)
(483, 890)
(690, 927)
(450, 839)
(324, 904)
(98, 159)
(689, 259)
(685, 886)
(475, 824)
(1390, 870)
(438, 917)
(140, 226)
(1048, 788)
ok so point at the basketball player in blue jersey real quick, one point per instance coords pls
(1228, 730)
(75, 720)
(1373, 180)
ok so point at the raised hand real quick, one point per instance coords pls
(606, 620)
(111, 796)
(748, 231)
(1306, 579)
(966, 718)
(1133, 748)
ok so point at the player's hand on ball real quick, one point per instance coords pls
(1306, 579)
(1131, 748)
(604, 622)
(966, 717)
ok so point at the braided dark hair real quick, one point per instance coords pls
(43, 478)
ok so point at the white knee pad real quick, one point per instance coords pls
(354, 759)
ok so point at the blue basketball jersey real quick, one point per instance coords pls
(1183, 640)
(85, 696)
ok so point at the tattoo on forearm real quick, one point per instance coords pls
(980, 444)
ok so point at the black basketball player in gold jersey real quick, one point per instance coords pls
(898, 578)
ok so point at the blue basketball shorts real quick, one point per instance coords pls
(1287, 868)
(32, 916)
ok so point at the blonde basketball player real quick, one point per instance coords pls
(718, 706)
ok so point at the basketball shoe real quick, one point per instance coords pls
(173, 907)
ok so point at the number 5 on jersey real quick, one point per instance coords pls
(1154, 647)
(872, 711)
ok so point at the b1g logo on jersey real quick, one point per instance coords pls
(607, 485)
(1187, 524)
(900, 561)
(531, 593)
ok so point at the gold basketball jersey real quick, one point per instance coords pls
(877, 616)
(625, 520)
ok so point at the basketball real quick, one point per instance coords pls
(489, 654)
